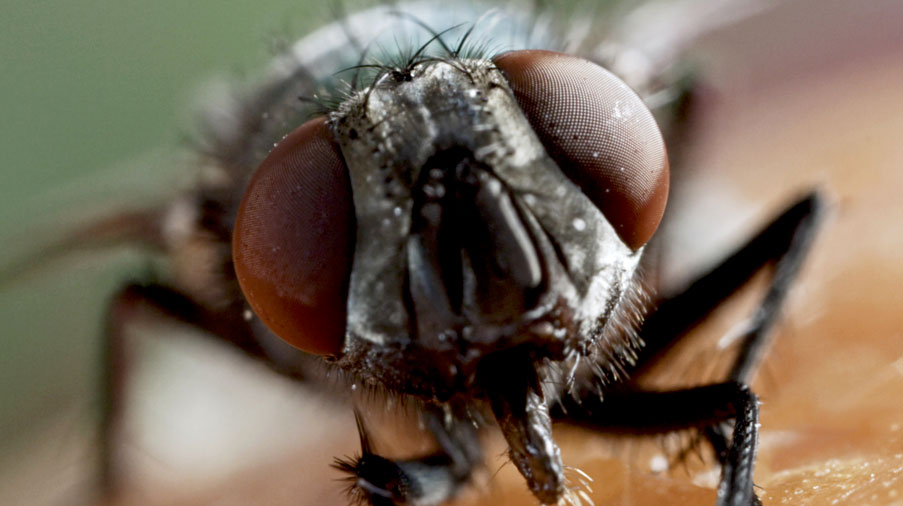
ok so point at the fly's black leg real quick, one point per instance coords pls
(127, 305)
(798, 225)
(454, 430)
(114, 358)
(784, 242)
(427, 480)
(640, 412)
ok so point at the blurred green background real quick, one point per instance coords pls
(96, 97)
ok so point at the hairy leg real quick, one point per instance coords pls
(784, 242)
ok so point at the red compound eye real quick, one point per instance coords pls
(294, 240)
(599, 132)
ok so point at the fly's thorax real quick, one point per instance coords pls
(470, 240)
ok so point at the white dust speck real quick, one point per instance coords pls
(658, 464)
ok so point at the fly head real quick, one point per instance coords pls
(454, 210)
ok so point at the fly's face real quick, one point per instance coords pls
(456, 210)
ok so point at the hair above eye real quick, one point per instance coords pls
(599, 132)
(294, 240)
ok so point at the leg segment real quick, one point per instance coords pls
(641, 412)
(784, 242)
(432, 479)
(131, 302)
(428, 480)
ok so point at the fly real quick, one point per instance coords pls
(463, 230)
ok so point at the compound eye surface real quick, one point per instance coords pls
(599, 132)
(294, 240)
